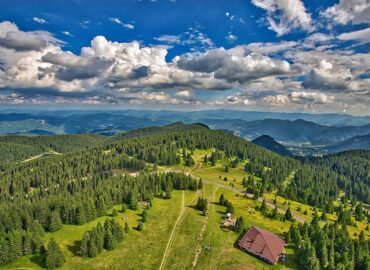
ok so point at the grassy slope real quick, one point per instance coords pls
(139, 250)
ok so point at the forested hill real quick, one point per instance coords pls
(269, 143)
(14, 148)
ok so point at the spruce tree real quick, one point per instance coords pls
(140, 226)
(84, 246)
(127, 227)
(288, 215)
(54, 257)
(55, 221)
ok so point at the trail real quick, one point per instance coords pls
(172, 236)
(269, 204)
(51, 152)
(198, 250)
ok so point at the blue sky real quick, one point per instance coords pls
(278, 55)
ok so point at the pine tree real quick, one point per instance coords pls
(84, 246)
(239, 224)
(222, 199)
(263, 207)
(127, 227)
(200, 184)
(288, 215)
(54, 257)
(109, 242)
(144, 216)
(55, 221)
(140, 226)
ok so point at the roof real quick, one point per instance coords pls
(263, 244)
(229, 222)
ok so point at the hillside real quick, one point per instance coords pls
(164, 185)
(354, 143)
(269, 143)
(14, 148)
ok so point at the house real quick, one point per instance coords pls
(263, 244)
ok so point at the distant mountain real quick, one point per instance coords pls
(354, 143)
(313, 130)
(290, 132)
(269, 143)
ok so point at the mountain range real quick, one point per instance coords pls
(315, 133)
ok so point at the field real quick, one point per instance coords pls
(177, 236)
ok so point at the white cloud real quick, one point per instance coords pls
(299, 97)
(231, 37)
(108, 72)
(184, 93)
(329, 77)
(193, 37)
(118, 21)
(354, 11)
(66, 33)
(169, 39)
(39, 20)
(285, 15)
(233, 65)
(360, 35)
(269, 47)
(12, 38)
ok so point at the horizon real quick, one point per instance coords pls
(100, 108)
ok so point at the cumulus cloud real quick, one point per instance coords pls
(184, 93)
(234, 65)
(354, 11)
(285, 15)
(12, 38)
(326, 76)
(108, 72)
(299, 97)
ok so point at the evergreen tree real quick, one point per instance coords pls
(127, 227)
(110, 242)
(239, 224)
(288, 215)
(55, 222)
(140, 226)
(200, 184)
(84, 246)
(222, 199)
(144, 216)
(54, 257)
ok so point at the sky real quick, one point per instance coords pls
(265, 55)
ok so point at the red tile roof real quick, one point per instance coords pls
(263, 244)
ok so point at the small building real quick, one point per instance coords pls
(263, 244)
(228, 222)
